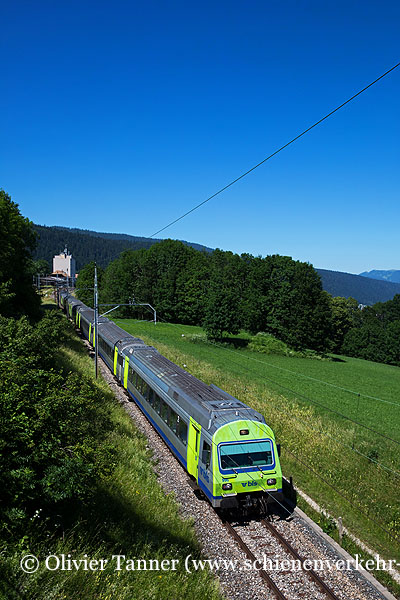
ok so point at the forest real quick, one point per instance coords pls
(226, 293)
(87, 245)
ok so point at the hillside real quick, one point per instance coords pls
(363, 289)
(87, 245)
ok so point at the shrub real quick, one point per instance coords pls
(53, 424)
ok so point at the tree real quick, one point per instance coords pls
(222, 313)
(345, 315)
(85, 283)
(164, 275)
(192, 287)
(285, 298)
(164, 265)
(53, 424)
(41, 267)
(122, 282)
(17, 241)
(375, 335)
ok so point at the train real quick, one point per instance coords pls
(226, 447)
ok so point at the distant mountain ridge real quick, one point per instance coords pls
(364, 289)
(391, 275)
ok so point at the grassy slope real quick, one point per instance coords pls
(309, 433)
(130, 514)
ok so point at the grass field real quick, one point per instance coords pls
(335, 384)
(349, 470)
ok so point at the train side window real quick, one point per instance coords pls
(157, 403)
(105, 347)
(206, 454)
(151, 396)
(164, 412)
(173, 420)
(182, 431)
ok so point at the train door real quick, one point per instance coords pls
(193, 448)
(120, 367)
(126, 368)
(115, 359)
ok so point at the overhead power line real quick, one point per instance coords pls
(294, 392)
(275, 153)
(308, 467)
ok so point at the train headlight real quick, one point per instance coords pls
(271, 481)
(226, 486)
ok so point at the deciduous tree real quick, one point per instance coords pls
(17, 241)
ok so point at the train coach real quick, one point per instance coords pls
(226, 447)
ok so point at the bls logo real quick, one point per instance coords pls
(249, 483)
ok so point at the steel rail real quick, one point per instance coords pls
(262, 572)
(314, 576)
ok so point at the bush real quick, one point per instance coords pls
(268, 344)
(53, 424)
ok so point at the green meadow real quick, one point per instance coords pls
(337, 419)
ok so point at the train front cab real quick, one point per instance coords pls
(246, 466)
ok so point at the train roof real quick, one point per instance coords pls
(74, 301)
(110, 331)
(210, 406)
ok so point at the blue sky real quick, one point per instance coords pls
(121, 116)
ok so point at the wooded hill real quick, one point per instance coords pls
(87, 245)
(363, 289)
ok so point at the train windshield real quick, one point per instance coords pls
(249, 454)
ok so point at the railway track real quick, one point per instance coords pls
(285, 585)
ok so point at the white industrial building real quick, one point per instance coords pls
(64, 264)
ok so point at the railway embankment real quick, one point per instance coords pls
(113, 533)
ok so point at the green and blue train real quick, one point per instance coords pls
(226, 447)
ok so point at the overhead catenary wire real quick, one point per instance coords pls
(304, 397)
(336, 439)
(275, 152)
(357, 508)
(298, 394)
(262, 484)
(338, 387)
(289, 512)
(323, 432)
